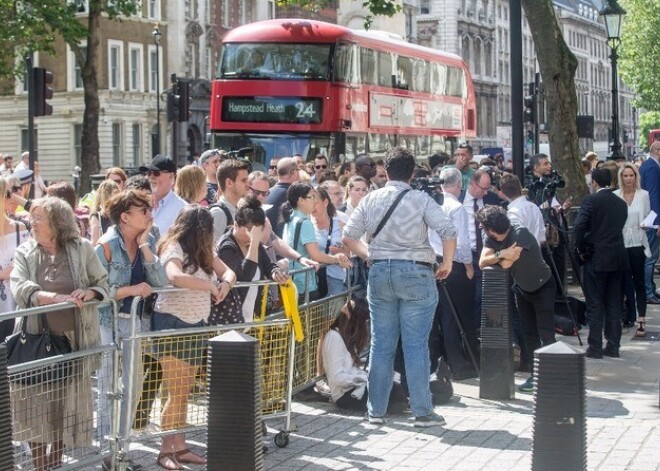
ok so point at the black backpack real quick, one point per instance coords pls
(227, 211)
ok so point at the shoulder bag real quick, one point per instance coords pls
(23, 347)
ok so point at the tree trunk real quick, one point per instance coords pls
(558, 66)
(90, 127)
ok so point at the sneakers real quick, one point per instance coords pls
(375, 420)
(322, 388)
(527, 386)
(430, 420)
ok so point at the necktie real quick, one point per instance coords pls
(477, 229)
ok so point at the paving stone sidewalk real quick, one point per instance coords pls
(623, 424)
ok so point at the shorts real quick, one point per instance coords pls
(188, 348)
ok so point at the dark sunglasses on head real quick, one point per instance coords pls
(319, 167)
(155, 173)
(260, 192)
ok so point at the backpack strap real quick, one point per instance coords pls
(296, 235)
(227, 211)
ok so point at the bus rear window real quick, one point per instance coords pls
(275, 61)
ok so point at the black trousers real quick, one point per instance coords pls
(556, 256)
(604, 298)
(445, 330)
(633, 284)
(537, 311)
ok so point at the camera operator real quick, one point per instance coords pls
(542, 184)
(397, 220)
(460, 285)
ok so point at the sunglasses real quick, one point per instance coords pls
(319, 167)
(260, 192)
(273, 167)
(143, 209)
(14, 189)
(156, 173)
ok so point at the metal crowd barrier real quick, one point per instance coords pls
(47, 411)
(135, 376)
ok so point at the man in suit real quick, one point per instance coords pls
(650, 176)
(598, 237)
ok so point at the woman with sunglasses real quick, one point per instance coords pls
(12, 234)
(300, 236)
(127, 251)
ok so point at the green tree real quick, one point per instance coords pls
(639, 51)
(647, 121)
(33, 25)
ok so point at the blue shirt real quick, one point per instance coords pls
(167, 211)
(307, 236)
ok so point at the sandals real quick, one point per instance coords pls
(186, 451)
(168, 456)
(641, 330)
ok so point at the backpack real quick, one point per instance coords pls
(228, 215)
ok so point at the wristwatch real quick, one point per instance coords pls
(497, 254)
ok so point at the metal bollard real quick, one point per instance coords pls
(560, 426)
(497, 368)
(6, 450)
(234, 404)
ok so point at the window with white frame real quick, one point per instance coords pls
(21, 84)
(115, 65)
(135, 81)
(74, 70)
(208, 63)
(226, 14)
(155, 63)
(136, 131)
(208, 7)
(77, 143)
(153, 9)
(116, 145)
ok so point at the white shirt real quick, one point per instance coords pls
(634, 235)
(523, 212)
(459, 217)
(468, 204)
(340, 371)
(167, 211)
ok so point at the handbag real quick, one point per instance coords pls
(229, 311)
(23, 347)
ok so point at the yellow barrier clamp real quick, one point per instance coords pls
(290, 302)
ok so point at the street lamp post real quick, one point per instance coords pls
(157, 34)
(613, 14)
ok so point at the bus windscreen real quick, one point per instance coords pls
(275, 61)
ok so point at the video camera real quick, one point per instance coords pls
(429, 185)
(541, 189)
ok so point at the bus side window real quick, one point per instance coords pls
(368, 69)
(385, 69)
(343, 62)
(404, 73)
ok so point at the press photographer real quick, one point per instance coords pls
(542, 184)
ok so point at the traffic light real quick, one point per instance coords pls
(530, 104)
(184, 101)
(173, 105)
(41, 91)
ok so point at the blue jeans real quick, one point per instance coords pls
(402, 299)
(649, 265)
(335, 286)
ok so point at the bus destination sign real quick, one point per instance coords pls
(272, 110)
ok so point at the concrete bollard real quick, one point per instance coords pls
(497, 368)
(234, 404)
(560, 426)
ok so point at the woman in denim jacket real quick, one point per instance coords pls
(127, 251)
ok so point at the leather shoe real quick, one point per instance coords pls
(594, 354)
(652, 301)
(611, 352)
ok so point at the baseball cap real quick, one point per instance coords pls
(160, 163)
(24, 175)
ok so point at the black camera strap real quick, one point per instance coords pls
(389, 213)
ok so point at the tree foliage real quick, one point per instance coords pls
(34, 25)
(639, 51)
(374, 7)
(647, 121)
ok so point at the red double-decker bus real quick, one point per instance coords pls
(292, 86)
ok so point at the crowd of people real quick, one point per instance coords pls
(211, 224)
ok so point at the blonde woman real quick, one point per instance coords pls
(356, 189)
(99, 222)
(12, 234)
(116, 175)
(190, 184)
(637, 245)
